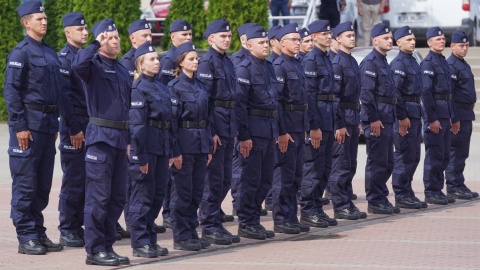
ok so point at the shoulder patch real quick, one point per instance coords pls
(91, 157)
(15, 64)
(337, 77)
(310, 73)
(167, 72)
(428, 72)
(454, 77)
(205, 75)
(174, 101)
(243, 80)
(280, 79)
(65, 72)
(399, 72)
(370, 73)
(136, 104)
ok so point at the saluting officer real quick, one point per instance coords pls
(306, 44)
(407, 130)
(216, 71)
(378, 96)
(32, 88)
(73, 124)
(107, 86)
(139, 32)
(292, 122)
(257, 131)
(465, 97)
(438, 112)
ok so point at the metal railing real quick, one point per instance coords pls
(153, 20)
(307, 18)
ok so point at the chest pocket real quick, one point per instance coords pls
(385, 85)
(37, 68)
(295, 87)
(322, 70)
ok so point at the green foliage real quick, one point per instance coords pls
(194, 12)
(238, 12)
(55, 10)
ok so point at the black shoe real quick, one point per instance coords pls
(119, 237)
(328, 194)
(203, 242)
(252, 232)
(189, 245)
(32, 247)
(354, 196)
(460, 194)
(235, 238)
(263, 212)
(286, 228)
(167, 222)
(71, 240)
(359, 213)
(423, 204)
(102, 258)
(449, 198)
(160, 251)
(408, 203)
(325, 201)
(382, 209)
(227, 218)
(49, 245)
(269, 207)
(436, 199)
(346, 213)
(302, 226)
(146, 251)
(474, 194)
(123, 233)
(123, 260)
(217, 238)
(330, 221)
(395, 209)
(159, 228)
(314, 221)
(268, 233)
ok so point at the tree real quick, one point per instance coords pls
(194, 12)
(55, 10)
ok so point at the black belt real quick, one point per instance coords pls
(193, 124)
(264, 113)
(326, 97)
(352, 106)
(229, 104)
(415, 99)
(158, 124)
(442, 96)
(80, 111)
(295, 107)
(387, 100)
(109, 123)
(42, 108)
(466, 106)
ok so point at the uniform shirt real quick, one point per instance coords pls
(239, 56)
(256, 89)
(167, 67)
(33, 76)
(377, 81)
(128, 61)
(300, 55)
(151, 100)
(272, 57)
(291, 90)
(347, 88)
(406, 74)
(107, 87)
(192, 106)
(216, 71)
(463, 87)
(436, 79)
(331, 55)
(319, 78)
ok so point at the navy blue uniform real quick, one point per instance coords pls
(151, 130)
(194, 142)
(378, 96)
(407, 79)
(216, 71)
(74, 119)
(292, 119)
(32, 88)
(300, 55)
(331, 55)
(436, 98)
(320, 85)
(465, 97)
(256, 115)
(344, 157)
(128, 61)
(239, 56)
(107, 88)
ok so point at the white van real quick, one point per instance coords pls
(420, 15)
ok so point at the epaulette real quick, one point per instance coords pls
(173, 82)
(22, 44)
(245, 63)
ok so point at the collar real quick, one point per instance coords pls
(146, 77)
(437, 55)
(341, 53)
(318, 51)
(256, 60)
(379, 55)
(458, 58)
(108, 61)
(406, 55)
(72, 48)
(216, 53)
(33, 41)
(287, 57)
(184, 77)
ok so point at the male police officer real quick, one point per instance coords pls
(257, 131)
(465, 97)
(306, 44)
(293, 122)
(378, 96)
(239, 56)
(437, 115)
(274, 43)
(319, 78)
(407, 130)
(32, 88)
(73, 124)
(107, 89)
(140, 33)
(217, 72)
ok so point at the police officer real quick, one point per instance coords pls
(73, 124)
(239, 56)
(407, 130)
(32, 88)
(107, 87)
(256, 111)
(151, 132)
(378, 96)
(293, 122)
(319, 78)
(191, 151)
(465, 97)
(180, 32)
(216, 71)
(437, 114)
(347, 125)
(140, 33)
(306, 44)
(333, 46)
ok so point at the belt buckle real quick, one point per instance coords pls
(202, 123)
(274, 114)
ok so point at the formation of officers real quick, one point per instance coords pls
(140, 132)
